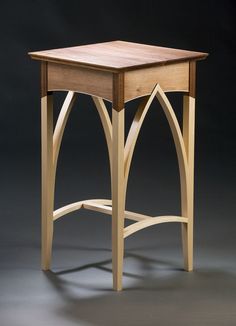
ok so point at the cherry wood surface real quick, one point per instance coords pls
(117, 55)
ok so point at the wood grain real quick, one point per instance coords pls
(118, 91)
(141, 82)
(192, 78)
(82, 80)
(44, 78)
(117, 55)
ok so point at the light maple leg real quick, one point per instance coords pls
(47, 179)
(188, 196)
(118, 205)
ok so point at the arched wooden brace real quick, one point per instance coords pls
(104, 205)
(129, 145)
(175, 130)
(60, 125)
(134, 132)
(62, 120)
(179, 145)
(106, 123)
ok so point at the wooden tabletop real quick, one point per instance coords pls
(117, 55)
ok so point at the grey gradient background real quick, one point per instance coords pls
(78, 289)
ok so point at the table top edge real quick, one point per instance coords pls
(40, 57)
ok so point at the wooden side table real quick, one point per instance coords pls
(118, 72)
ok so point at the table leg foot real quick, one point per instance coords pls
(187, 243)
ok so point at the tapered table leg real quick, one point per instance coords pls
(47, 178)
(118, 205)
(188, 197)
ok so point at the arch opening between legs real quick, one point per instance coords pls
(129, 144)
(175, 130)
(183, 144)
